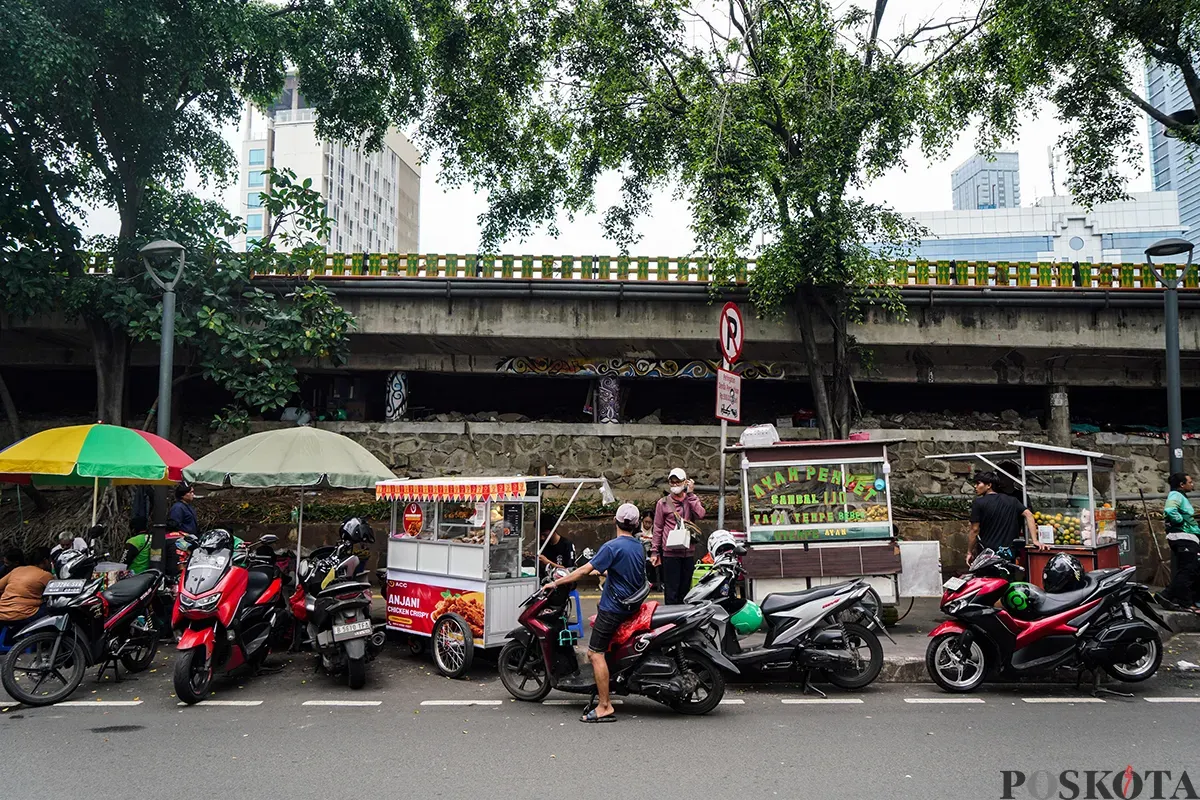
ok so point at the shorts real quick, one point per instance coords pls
(603, 629)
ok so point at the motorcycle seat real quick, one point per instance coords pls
(785, 601)
(665, 615)
(257, 583)
(126, 590)
(1046, 604)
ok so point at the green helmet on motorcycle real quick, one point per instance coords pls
(1021, 599)
(747, 619)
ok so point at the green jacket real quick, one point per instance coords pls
(1180, 518)
(137, 553)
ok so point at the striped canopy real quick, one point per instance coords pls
(463, 489)
(84, 455)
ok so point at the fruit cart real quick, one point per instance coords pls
(455, 555)
(818, 513)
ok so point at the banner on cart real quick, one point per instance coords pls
(414, 603)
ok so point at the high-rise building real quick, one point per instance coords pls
(373, 198)
(1174, 165)
(987, 182)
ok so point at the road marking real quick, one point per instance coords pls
(461, 702)
(733, 701)
(90, 703)
(349, 703)
(240, 703)
(1173, 699)
(1062, 699)
(942, 700)
(817, 701)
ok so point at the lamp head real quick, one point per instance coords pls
(161, 250)
(1169, 247)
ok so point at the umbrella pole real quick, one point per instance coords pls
(299, 534)
(95, 498)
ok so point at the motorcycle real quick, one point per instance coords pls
(333, 603)
(85, 625)
(661, 652)
(827, 628)
(231, 611)
(1033, 632)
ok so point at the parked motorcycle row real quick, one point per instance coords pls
(234, 606)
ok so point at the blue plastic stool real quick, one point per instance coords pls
(577, 625)
(7, 632)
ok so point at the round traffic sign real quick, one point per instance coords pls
(731, 333)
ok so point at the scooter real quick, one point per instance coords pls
(1033, 632)
(827, 628)
(661, 652)
(231, 611)
(333, 603)
(85, 625)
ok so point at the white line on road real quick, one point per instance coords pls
(932, 701)
(349, 703)
(91, 703)
(1062, 699)
(461, 702)
(733, 701)
(241, 703)
(818, 701)
(1173, 699)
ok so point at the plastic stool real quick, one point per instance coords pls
(577, 625)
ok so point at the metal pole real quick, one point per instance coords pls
(1174, 400)
(166, 369)
(721, 468)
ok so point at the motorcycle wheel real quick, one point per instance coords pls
(356, 672)
(192, 677)
(952, 670)
(1141, 669)
(38, 645)
(453, 645)
(517, 670)
(858, 637)
(140, 658)
(712, 686)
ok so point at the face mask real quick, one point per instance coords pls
(676, 490)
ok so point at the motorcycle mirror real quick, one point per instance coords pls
(270, 538)
(740, 550)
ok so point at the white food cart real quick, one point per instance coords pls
(455, 558)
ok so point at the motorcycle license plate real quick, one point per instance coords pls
(352, 630)
(61, 588)
(954, 584)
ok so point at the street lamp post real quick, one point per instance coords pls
(1164, 249)
(162, 252)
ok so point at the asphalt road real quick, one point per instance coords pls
(413, 734)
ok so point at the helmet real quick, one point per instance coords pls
(747, 619)
(719, 543)
(1063, 573)
(1022, 600)
(73, 564)
(355, 531)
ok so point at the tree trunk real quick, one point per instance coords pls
(14, 422)
(805, 304)
(110, 351)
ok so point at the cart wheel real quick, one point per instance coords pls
(453, 645)
(416, 645)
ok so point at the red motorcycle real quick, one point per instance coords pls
(230, 611)
(1091, 627)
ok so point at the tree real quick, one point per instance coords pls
(769, 126)
(101, 101)
(1085, 57)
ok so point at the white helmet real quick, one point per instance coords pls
(720, 542)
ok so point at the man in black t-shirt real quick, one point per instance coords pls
(997, 519)
(558, 552)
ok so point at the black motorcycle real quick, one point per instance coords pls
(85, 625)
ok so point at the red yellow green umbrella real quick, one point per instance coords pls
(88, 455)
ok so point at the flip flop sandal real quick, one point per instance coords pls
(590, 716)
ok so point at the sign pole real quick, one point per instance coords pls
(731, 334)
(721, 470)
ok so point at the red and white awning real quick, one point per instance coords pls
(455, 489)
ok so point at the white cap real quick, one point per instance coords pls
(627, 513)
(678, 473)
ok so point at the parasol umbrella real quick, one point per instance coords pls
(93, 455)
(290, 458)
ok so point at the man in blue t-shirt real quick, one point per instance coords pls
(624, 561)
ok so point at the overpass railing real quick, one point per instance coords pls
(1023, 274)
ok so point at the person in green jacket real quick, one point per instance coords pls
(137, 546)
(1183, 535)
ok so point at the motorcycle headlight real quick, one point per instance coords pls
(200, 604)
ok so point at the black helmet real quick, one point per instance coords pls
(356, 531)
(1063, 573)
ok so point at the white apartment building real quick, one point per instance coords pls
(373, 198)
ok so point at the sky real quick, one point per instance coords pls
(449, 215)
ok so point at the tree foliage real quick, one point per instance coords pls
(1085, 57)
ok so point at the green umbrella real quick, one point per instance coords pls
(298, 457)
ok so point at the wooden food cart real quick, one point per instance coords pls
(818, 513)
(455, 558)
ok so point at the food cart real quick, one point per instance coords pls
(818, 513)
(455, 571)
(1073, 496)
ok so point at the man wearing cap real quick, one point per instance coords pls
(675, 564)
(624, 562)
